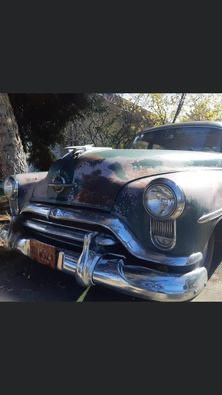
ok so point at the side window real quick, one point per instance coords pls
(142, 144)
(157, 146)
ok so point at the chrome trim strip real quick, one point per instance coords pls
(60, 185)
(209, 217)
(68, 263)
(118, 228)
(60, 262)
(36, 209)
(52, 229)
(133, 280)
(72, 233)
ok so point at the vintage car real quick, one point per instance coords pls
(140, 220)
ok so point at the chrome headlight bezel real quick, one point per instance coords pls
(177, 192)
(13, 195)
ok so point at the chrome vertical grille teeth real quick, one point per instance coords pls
(163, 233)
(162, 228)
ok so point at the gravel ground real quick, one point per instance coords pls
(24, 280)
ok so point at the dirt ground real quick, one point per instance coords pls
(24, 280)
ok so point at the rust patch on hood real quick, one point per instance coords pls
(96, 178)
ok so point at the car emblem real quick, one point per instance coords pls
(58, 184)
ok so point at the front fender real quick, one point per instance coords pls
(203, 191)
(27, 182)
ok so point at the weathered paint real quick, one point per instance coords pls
(27, 181)
(98, 177)
(191, 235)
(114, 180)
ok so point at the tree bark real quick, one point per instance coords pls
(12, 155)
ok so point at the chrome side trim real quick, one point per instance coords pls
(133, 280)
(118, 228)
(60, 185)
(209, 217)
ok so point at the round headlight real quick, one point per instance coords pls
(163, 199)
(11, 188)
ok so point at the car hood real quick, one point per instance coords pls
(95, 178)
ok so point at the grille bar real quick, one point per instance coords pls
(56, 230)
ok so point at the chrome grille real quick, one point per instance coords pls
(64, 234)
(163, 233)
(162, 228)
(50, 229)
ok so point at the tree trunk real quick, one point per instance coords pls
(12, 155)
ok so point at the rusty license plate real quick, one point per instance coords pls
(43, 253)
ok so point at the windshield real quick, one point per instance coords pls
(186, 138)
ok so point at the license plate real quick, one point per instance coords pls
(43, 253)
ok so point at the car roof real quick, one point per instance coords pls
(212, 124)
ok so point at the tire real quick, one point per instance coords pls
(208, 254)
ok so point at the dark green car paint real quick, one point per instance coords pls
(191, 236)
(114, 181)
(98, 177)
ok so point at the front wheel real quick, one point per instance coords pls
(208, 254)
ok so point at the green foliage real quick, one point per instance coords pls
(196, 107)
(205, 107)
(162, 107)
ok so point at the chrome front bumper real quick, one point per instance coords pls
(91, 268)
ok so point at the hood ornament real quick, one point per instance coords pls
(78, 150)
